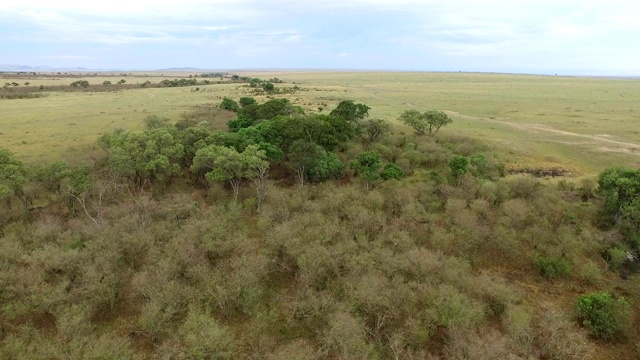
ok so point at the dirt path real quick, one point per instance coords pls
(374, 95)
(603, 142)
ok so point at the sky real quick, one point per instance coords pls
(520, 36)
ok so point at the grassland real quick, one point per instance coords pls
(579, 124)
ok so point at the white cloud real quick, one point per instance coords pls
(556, 32)
(67, 57)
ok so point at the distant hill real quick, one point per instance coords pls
(12, 67)
(180, 69)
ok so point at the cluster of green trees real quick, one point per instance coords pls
(80, 83)
(273, 134)
(213, 75)
(179, 82)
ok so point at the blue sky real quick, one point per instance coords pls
(530, 36)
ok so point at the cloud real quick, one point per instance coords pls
(303, 33)
(67, 57)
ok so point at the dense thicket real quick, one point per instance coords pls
(334, 244)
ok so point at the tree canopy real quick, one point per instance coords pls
(431, 120)
(13, 174)
(222, 163)
(350, 111)
(150, 156)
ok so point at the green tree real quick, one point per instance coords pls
(480, 166)
(194, 138)
(254, 82)
(229, 104)
(326, 131)
(350, 111)
(620, 186)
(392, 171)
(273, 108)
(435, 120)
(106, 83)
(227, 164)
(155, 122)
(239, 122)
(268, 86)
(80, 83)
(431, 120)
(80, 190)
(257, 171)
(149, 157)
(373, 129)
(51, 176)
(303, 155)
(13, 176)
(253, 136)
(603, 314)
(313, 163)
(367, 165)
(326, 167)
(621, 189)
(414, 119)
(458, 165)
(246, 101)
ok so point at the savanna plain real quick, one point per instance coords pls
(319, 215)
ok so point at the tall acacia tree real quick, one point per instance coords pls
(431, 120)
(435, 120)
(350, 111)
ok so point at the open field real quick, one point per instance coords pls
(580, 124)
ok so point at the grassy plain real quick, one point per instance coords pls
(579, 124)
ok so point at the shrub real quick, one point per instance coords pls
(392, 171)
(518, 325)
(555, 337)
(523, 187)
(616, 257)
(346, 338)
(205, 338)
(551, 267)
(604, 315)
(456, 310)
(485, 345)
(589, 272)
